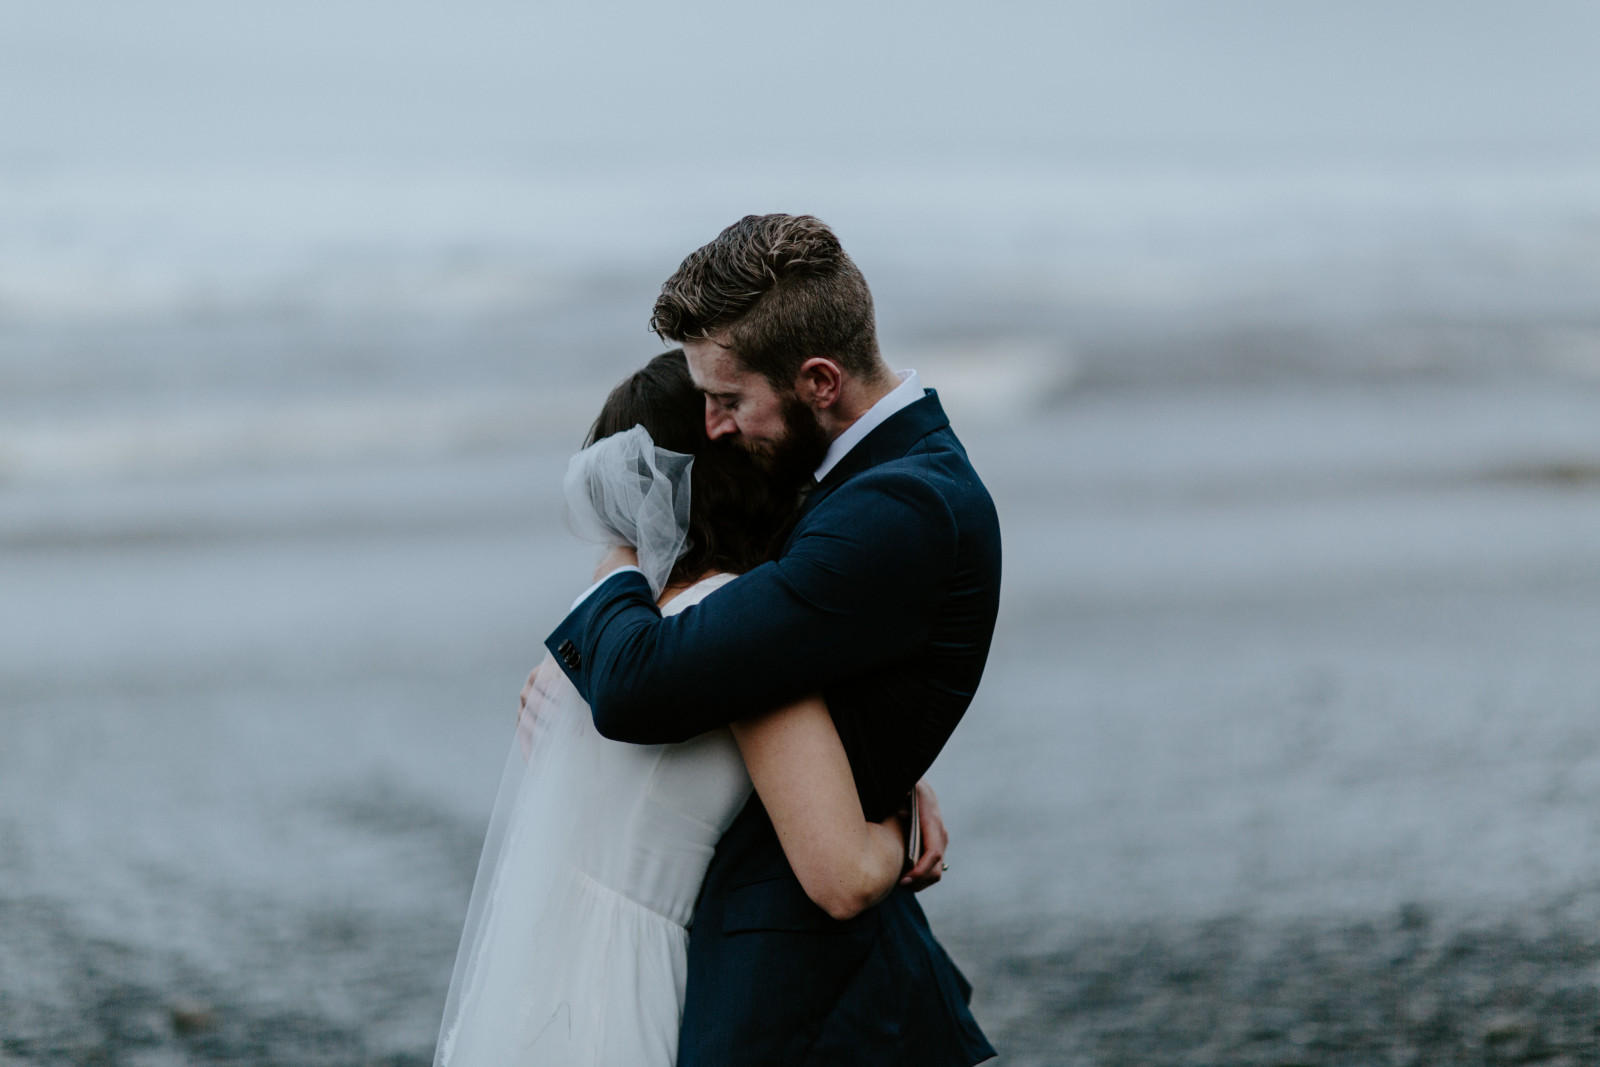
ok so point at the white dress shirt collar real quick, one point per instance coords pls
(908, 392)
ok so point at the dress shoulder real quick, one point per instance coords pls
(697, 592)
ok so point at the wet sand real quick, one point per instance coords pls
(1515, 987)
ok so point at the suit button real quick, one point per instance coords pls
(569, 654)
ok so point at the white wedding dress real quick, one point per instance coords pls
(576, 942)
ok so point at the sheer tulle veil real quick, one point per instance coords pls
(623, 490)
(620, 490)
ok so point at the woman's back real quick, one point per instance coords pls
(577, 934)
(659, 810)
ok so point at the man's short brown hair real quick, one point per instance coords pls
(785, 291)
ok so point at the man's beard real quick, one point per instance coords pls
(794, 458)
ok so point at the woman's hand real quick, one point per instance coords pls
(930, 866)
(533, 695)
(530, 687)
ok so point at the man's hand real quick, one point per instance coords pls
(619, 556)
(930, 866)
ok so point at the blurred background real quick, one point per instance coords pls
(1274, 329)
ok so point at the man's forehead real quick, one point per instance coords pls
(712, 366)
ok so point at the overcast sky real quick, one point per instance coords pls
(471, 82)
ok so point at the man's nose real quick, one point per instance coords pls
(718, 422)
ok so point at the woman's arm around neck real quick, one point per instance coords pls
(799, 768)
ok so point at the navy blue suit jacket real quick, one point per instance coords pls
(884, 599)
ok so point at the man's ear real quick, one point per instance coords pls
(820, 383)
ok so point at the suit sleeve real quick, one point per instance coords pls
(856, 589)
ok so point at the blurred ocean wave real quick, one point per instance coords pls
(202, 439)
(118, 245)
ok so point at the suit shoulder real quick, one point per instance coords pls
(942, 461)
(907, 484)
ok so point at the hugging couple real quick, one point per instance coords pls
(712, 824)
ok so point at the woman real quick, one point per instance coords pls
(576, 941)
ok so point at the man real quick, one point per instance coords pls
(883, 599)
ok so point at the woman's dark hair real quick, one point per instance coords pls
(735, 514)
